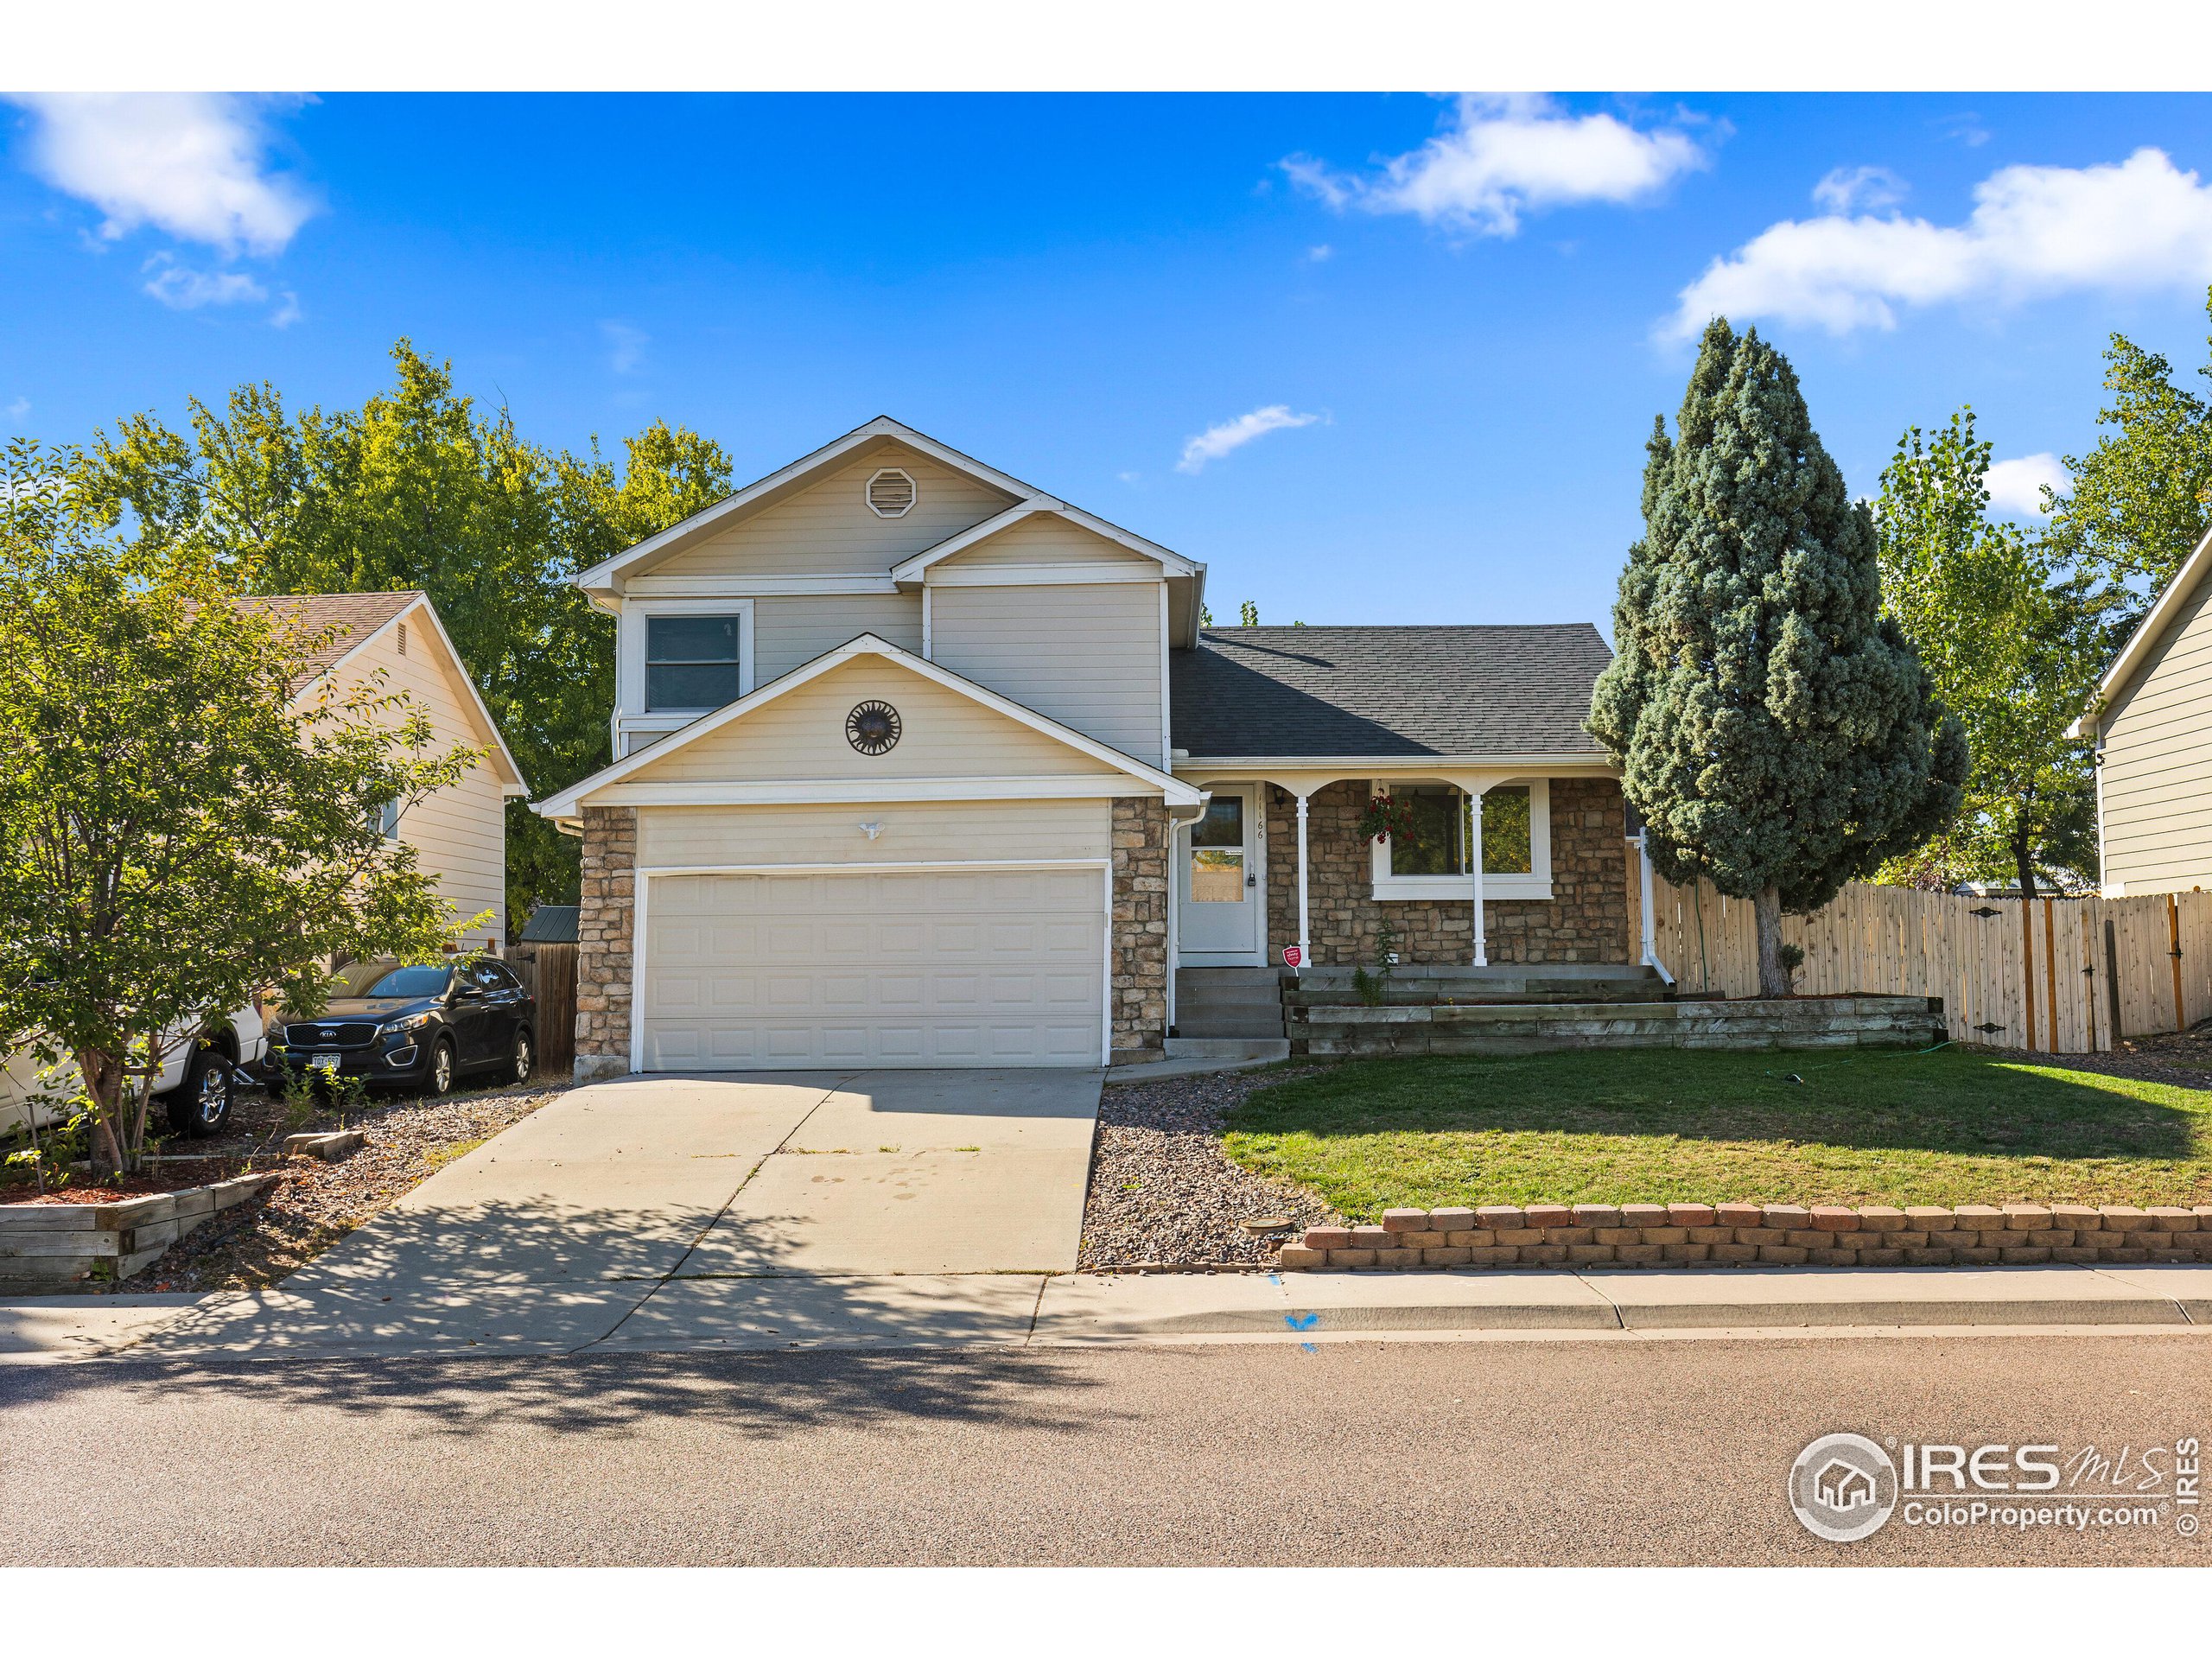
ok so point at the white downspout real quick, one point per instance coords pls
(1650, 921)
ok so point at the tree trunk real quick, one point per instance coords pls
(2025, 864)
(1766, 910)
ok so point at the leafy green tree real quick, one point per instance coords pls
(186, 815)
(1773, 727)
(2013, 649)
(418, 488)
(2141, 500)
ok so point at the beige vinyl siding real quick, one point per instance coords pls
(913, 832)
(460, 835)
(1044, 538)
(801, 735)
(2158, 766)
(790, 631)
(1088, 654)
(828, 527)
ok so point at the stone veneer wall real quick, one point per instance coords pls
(1587, 919)
(1140, 944)
(1752, 1235)
(604, 931)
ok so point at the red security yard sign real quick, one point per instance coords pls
(1292, 955)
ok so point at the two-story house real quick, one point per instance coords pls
(918, 765)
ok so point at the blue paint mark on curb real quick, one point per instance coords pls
(1302, 1321)
(1311, 1347)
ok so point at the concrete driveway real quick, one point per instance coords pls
(819, 1201)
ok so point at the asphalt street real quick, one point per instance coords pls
(1528, 1451)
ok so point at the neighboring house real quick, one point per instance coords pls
(917, 765)
(2152, 722)
(459, 834)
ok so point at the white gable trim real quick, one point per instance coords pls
(2147, 634)
(566, 803)
(603, 574)
(520, 785)
(915, 568)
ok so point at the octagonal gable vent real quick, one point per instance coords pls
(891, 493)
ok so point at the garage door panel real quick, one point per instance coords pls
(912, 967)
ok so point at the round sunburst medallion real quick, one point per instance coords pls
(872, 727)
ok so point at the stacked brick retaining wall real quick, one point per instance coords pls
(1754, 1235)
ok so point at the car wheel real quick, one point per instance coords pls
(440, 1075)
(524, 1061)
(200, 1105)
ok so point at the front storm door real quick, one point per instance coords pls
(1219, 882)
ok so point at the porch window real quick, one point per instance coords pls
(1430, 859)
(690, 662)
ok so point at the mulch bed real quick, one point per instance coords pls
(164, 1177)
(1162, 1191)
(314, 1203)
(2182, 1057)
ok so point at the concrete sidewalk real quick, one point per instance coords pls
(736, 1313)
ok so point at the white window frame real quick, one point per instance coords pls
(631, 715)
(1537, 884)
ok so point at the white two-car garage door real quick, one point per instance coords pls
(926, 968)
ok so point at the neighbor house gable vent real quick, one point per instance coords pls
(891, 493)
(402, 638)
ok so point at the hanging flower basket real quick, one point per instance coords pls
(1385, 818)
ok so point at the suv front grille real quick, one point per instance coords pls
(351, 1033)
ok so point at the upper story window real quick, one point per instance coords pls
(690, 662)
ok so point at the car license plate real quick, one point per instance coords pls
(322, 1062)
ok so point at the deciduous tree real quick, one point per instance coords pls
(2013, 649)
(188, 814)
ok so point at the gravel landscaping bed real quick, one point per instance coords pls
(1162, 1191)
(314, 1203)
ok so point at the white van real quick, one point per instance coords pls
(194, 1089)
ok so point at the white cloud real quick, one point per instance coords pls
(194, 164)
(2017, 485)
(1869, 189)
(1505, 156)
(1320, 252)
(183, 288)
(1217, 440)
(626, 345)
(288, 310)
(18, 410)
(2139, 224)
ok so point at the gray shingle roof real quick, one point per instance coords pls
(1387, 691)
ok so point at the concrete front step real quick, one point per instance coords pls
(1463, 984)
(1228, 1048)
(1229, 1004)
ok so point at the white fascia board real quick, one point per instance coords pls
(913, 569)
(1398, 765)
(604, 573)
(816, 791)
(2194, 569)
(518, 785)
(1039, 575)
(872, 581)
(867, 645)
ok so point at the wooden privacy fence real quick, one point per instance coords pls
(550, 971)
(2059, 975)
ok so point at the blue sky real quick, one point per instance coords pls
(1444, 325)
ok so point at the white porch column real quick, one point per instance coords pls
(1305, 943)
(1650, 952)
(1475, 862)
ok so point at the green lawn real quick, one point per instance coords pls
(1656, 1125)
